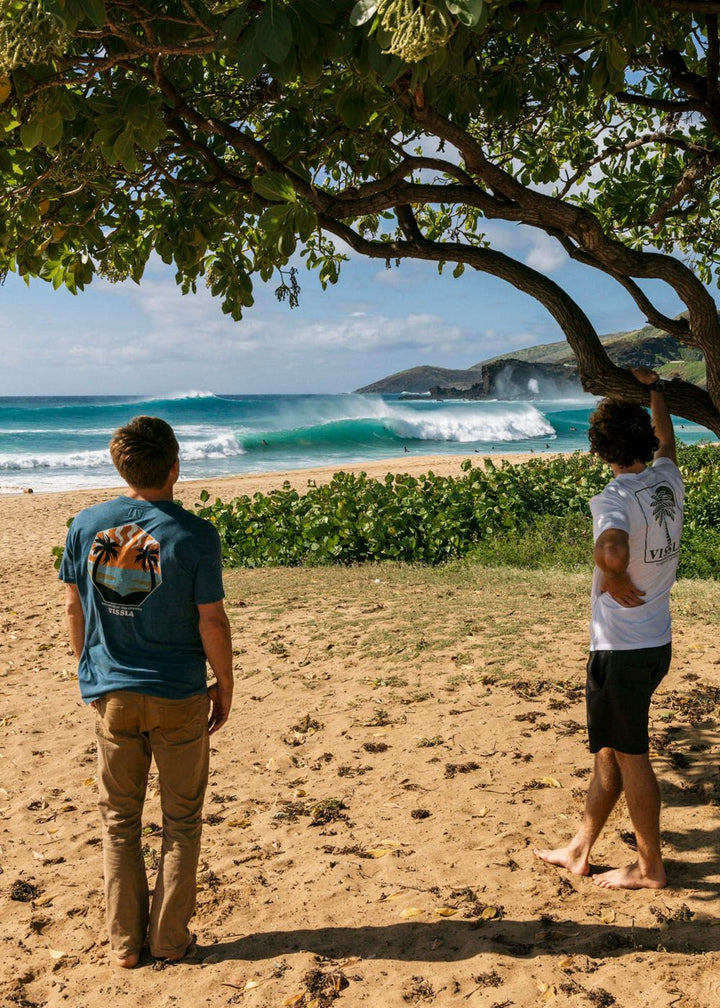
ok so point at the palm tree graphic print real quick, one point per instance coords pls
(104, 550)
(149, 558)
(662, 518)
(663, 508)
(124, 565)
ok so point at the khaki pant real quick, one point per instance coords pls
(132, 728)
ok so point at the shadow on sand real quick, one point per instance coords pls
(453, 941)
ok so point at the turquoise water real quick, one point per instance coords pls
(60, 443)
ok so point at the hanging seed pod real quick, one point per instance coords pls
(416, 28)
(28, 34)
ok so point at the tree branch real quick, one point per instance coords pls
(408, 223)
(598, 373)
(692, 174)
(676, 327)
(661, 104)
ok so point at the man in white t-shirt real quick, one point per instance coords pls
(637, 520)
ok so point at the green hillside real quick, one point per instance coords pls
(648, 346)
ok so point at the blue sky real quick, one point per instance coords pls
(150, 339)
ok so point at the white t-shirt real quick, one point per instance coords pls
(649, 507)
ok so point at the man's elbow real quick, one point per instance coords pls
(612, 552)
(217, 623)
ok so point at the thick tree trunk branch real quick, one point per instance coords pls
(598, 373)
(548, 212)
(675, 326)
(661, 104)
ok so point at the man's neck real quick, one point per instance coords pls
(161, 493)
(636, 467)
(164, 493)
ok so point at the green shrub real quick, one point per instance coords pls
(700, 554)
(531, 515)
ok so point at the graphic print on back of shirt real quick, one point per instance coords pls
(662, 519)
(124, 565)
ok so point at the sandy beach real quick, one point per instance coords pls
(401, 739)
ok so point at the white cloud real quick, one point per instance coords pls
(156, 327)
(546, 254)
(362, 332)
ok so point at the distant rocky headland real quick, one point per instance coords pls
(546, 371)
(512, 379)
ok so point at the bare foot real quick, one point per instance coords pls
(128, 961)
(190, 949)
(565, 857)
(631, 877)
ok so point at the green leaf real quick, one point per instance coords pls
(274, 186)
(275, 217)
(323, 11)
(247, 55)
(600, 76)
(52, 132)
(574, 41)
(617, 56)
(305, 221)
(95, 11)
(352, 110)
(273, 33)
(362, 12)
(124, 149)
(286, 244)
(468, 12)
(136, 105)
(232, 26)
(31, 134)
(509, 98)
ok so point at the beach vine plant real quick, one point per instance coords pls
(534, 514)
(237, 139)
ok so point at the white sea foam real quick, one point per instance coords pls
(71, 460)
(222, 446)
(190, 394)
(70, 431)
(207, 432)
(484, 425)
(426, 420)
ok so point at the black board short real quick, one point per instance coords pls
(618, 689)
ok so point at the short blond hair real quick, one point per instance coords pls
(144, 451)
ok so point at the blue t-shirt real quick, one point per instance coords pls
(141, 569)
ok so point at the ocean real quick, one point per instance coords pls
(60, 442)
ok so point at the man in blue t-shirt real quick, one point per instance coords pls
(144, 603)
(637, 521)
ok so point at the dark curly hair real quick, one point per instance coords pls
(621, 432)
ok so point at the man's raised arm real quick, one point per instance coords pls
(659, 413)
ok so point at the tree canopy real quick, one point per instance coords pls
(229, 137)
